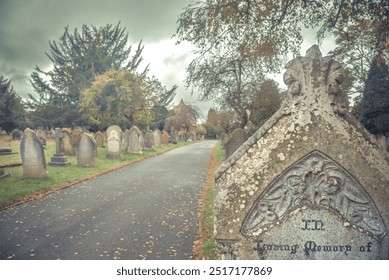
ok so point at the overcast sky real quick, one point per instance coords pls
(27, 26)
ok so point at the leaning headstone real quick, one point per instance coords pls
(114, 141)
(157, 138)
(133, 146)
(149, 140)
(238, 137)
(67, 146)
(42, 137)
(59, 158)
(311, 183)
(33, 155)
(165, 138)
(99, 137)
(86, 150)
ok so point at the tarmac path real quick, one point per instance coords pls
(144, 211)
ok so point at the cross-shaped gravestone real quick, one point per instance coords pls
(59, 159)
(58, 136)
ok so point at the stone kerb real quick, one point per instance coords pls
(311, 183)
(86, 150)
(133, 142)
(114, 141)
(33, 155)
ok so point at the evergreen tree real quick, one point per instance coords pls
(12, 111)
(375, 101)
(76, 59)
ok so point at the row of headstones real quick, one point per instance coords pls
(85, 147)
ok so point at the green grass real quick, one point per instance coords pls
(206, 249)
(15, 189)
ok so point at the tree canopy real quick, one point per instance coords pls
(267, 32)
(12, 111)
(76, 59)
(124, 98)
(375, 101)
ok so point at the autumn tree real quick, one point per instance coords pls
(267, 32)
(76, 59)
(12, 111)
(123, 98)
(184, 118)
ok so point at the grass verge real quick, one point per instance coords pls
(15, 190)
(205, 246)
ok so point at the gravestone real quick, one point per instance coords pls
(149, 140)
(224, 139)
(86, 150)
(126, 137)
(157, 138)
(238, 137)
(173, 136)
(76, 135)
(142, 140)
(99, 137)
(67, 146)
(33, 155)
(114, 141)
(165, 138)
(133, 146)
(311, 183)
(59, 158)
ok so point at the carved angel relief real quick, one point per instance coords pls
(318, 181)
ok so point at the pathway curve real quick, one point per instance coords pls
(144, 211)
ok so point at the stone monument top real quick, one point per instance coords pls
(311, 183)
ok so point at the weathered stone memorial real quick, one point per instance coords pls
(42, 137)
(114, 142)
(133, 146)
(76, 135)
(238, 137)
(99, 137)
(86, 150)
(149, 140)
(142, 140)
(173, 136)
(126, 136)
(67, 146)
(165, 138)
(33, 155)
(311, 183)
(157, 138)
(59, 158)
